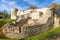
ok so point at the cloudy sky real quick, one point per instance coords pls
(24, 4)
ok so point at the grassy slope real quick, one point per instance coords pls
(47, 34)
(4, 21)
(9, 39)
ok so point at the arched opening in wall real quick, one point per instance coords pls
(40, 14)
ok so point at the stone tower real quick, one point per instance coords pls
(14, 13)
(56, 21)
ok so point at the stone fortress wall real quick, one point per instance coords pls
(30, 22)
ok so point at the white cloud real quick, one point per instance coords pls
(32, 2)
(19, 7)
(1, 9)
(9, 2)
(4, 1)
(56, 1)
(12, 3)
(5, 7)
(36, 3)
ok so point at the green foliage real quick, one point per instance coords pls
(32, 7)
(4, 14)
(54, 5)
(4, 21)
(8, 39)
(59, 5)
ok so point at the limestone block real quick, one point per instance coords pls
(56, 23)
(16, 31)
(30, 22)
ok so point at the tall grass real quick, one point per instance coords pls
(4, 21)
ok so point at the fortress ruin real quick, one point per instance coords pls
(31, 22)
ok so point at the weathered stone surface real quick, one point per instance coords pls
(27, 30)
(37, 29)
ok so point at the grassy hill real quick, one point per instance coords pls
(4, 21)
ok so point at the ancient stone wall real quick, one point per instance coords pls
(24, 28)
(13, 31)
(37, 29)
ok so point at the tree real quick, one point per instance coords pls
(4, 14)
(59, 5)
(32, 7)
(56, 9)
(54, 5)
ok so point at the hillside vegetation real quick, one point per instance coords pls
(4, 21)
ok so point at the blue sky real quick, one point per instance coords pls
(24, 4)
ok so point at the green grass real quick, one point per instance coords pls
(8, 39)
(4, 21)
(48, 34)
